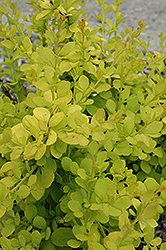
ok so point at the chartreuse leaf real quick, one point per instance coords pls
(101, 187)
(80, 233)
(39, 222)
(56, 119)
(8, 44)
(61, 236)
(32, 179)
(52, 137)
(153, 129)
(147, 196)
(163, 246)
(156, 242)
(76, 207)
(2, 210)
(42, 14)
(42, 114)
(36, 238)
(111, 105)
(151, 183)
(98, 246)
(37, 189)
(145, 167)
(66, 162)
(150, 212)
(112, 240)
(8, 229)
(67, 49)
(55, 152)
(5, 243)
(83, 82)
(47, 177)
(23, 191)
(128, 247)
(30, 211)
(29, 122)
(7, 135)
(128, 125)
(74, 243)
(41, 149)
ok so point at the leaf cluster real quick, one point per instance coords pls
(82, 131)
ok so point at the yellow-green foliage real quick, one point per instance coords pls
(83, 159)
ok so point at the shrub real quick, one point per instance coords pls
(83, 155)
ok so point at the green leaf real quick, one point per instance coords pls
(5, 243)
(98, 246)
(74, 243)
(153, 128)
(147, 196)
(27, 44)
(61, 236)
(60, 146)
(42, 14)
(150, 212)
(56, 192)
(30, 212)
(23, 191)
(82, 140)
(145, 167)
(36, 238)
(32, 179)
(123, 148)
(74, 167)
(56, 119)
(41, 149)
(111, 105)
(48, 245)
(39, 222)
(3, 192)
(101, 187)
(102, 87)
(67, 48)
(55, 152)
(114, 211)
(128, 125)
(163, 246)
(150, 183)
(7, 135)
(37, 190)
(42, 85)
(156, 242)
(8, 44)
(128, 247)
(52, 137)
(122, 203)
(80, 233)
(8, 229)
(2, 210)
(29, 122)
(66, 162)
(47, 177)
(76, 207)
(83, 82)
(42, 114)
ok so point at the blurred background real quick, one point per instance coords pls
(152, 12)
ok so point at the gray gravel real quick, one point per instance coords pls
(152, 12)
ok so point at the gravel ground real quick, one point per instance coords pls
(152, 12)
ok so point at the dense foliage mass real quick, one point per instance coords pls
(82, 131)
